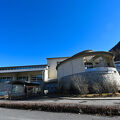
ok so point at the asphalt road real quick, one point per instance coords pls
(13, 114)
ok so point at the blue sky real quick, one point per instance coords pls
(32, 30)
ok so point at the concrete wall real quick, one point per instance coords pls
(91, 79)
(71, 67)
(52, 63)
(45, 75)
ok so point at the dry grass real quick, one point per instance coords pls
(62, 107)
(98, 95)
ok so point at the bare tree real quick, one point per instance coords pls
(79, 84)
(98, 88)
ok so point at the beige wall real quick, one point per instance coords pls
(78, 65)
(52, 63)
(45, 75)
(60, 72)
(71, 67)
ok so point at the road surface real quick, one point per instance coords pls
(13, 114)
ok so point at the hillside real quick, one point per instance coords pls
(116, 51)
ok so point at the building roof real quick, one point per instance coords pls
(23, 66)
(86, 53)
(58, 57)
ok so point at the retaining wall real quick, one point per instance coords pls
(92, 81)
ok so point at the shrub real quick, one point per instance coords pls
(64, 107)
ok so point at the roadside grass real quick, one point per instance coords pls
(64, 107)
(98, 95)
(82, 96)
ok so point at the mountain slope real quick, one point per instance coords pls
(116, 51)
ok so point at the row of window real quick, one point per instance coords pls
(25, 67)
(5, 79)
(22, 78)
(36, 78)
(117, 65)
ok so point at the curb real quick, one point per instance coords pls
(64, 107)
(90, 98)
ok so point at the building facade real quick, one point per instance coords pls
(33, 73)
(90, 69)
(40, 74)
(52, 64)
(85, 70)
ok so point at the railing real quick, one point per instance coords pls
(22, 70)
(102, 69)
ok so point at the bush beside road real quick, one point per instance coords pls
(70, 105)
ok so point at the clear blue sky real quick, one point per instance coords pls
(32, 30)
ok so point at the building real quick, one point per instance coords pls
(40, 74)
(51, 85)
(52, 63)
(32, 73)
(93, 69)
(23, 89)
(84, 71)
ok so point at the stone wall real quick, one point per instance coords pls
(90, 82)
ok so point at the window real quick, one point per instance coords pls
(5, 79)
(37, 78)
(88, 65)
(22, 78)
(17, 89)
